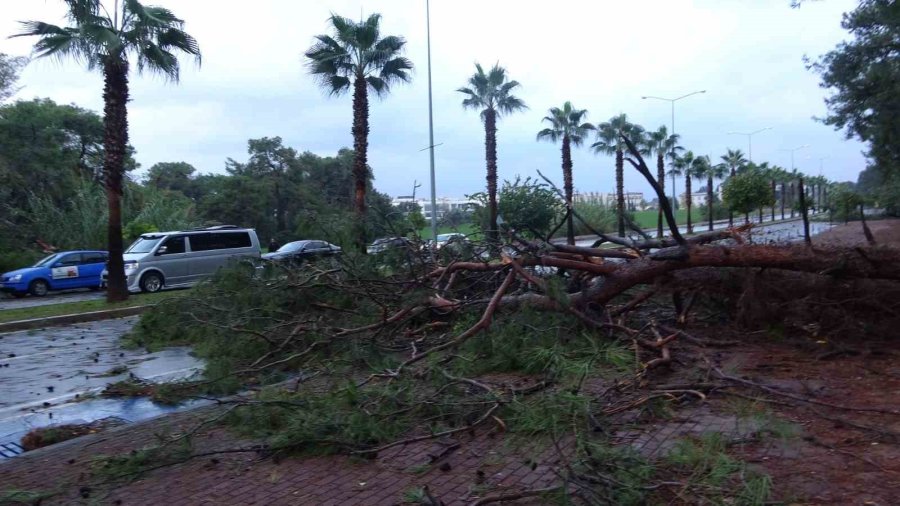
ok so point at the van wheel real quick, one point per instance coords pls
(38, 288)
(151, 282)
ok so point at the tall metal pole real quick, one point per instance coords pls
(750, 139)
(672, 101)
(431, 129)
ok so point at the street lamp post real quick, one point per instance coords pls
(431, 129)
(750, 139)
(794, 150)
(672, 101)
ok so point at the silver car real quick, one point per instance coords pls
(176, 259)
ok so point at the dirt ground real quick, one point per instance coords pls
(836, 401)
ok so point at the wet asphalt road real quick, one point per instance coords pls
(44, 371)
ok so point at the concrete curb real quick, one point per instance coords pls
(52, 321)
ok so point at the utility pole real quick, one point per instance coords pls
(431, 129)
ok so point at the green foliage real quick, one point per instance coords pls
(601, 218)
(865, 78)
(845, 201)
(10, 66)
(629, 472)
(527, 206)
(18, 496)
(747, 191)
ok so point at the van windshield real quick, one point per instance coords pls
(144, 244)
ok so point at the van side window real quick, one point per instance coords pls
(219, 240)
(92, 258)
(174, 245)
(69, 260)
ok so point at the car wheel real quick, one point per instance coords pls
(38, 288)
(151, 282)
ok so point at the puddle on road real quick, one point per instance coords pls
(42, 373)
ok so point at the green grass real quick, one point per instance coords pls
(465, 228)
(647, 219)
(84, 306)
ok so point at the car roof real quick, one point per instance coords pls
(80, 251)
(196, 231)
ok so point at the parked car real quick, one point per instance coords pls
(59, 271)
(451, 238)
(182, 258)
(298, 251)
(389, 243)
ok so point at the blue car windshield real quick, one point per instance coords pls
(144, 244)
(47, 260)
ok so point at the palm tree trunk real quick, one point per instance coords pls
(709, 201)
(568, 187)
(792, 199)
(783, 195)
(360, 160)
(490, 155)
(803, 212)
(674, 196)
(661, 180)
(730, 212)
(620, 191)
(773, 202)
(688, 202)
(115, 141)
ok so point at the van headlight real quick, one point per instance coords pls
(131, 267)
(15, 279)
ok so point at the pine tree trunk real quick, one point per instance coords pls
(490, 155)
(661, 179)
(568, 187)
(709, 201)
(620, 191)
(688, 202)
(115, 141)
(360, 161)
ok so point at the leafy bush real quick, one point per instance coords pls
(601, 218)
(747, 191)
(527, 206)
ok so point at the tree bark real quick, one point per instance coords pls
(709, 201)
(773, 203)
(792, 199)
(804, 212)
(490, 155)
(115, 141)
(730, 212)
(620, 191)
(360, 161)
(688, 202)
(568, 186)
(661, 179)
(783, 196)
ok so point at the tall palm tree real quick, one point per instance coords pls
(105, 38)
(491, 93)
(358, 57)
(686, 164)
(661, 144)
(713, 172)
(734, 160)
(609, 142)
(567, 126)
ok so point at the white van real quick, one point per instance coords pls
(176, 259)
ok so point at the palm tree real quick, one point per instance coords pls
(734, 160)
(491, 93)
(704, 168)
(566, 126)
(610, 142)
(105, 39)
(686, 165)
(661, 144)
(358, 57)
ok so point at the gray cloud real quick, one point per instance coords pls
(600, 55)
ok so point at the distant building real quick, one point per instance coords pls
(697, 199)
(444, 205)
(633, 200)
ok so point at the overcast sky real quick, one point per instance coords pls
(601, 55)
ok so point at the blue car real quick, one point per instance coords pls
(59, 271)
